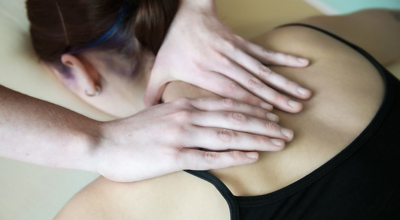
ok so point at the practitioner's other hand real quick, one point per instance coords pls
(199, 49)
(196, 134)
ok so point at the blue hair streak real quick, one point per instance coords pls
(123, 12)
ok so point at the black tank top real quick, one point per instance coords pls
(361, 182)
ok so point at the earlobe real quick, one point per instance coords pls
(97, 92)
(86, 79)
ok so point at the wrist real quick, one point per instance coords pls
(105, 138)
(89, 141)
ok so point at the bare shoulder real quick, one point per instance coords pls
(375, 30)
(95, 201)
(303, 41)
(338, 76)
(174, 196)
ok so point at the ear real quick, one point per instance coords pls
(84, 78)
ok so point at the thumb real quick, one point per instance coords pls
(154, 91)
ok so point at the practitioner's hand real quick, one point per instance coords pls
(187, 134)
(199, 49)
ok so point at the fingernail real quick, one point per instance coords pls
(302, 91)
(294, 104)
(277, 142)
(272, 117)
(287, 132)
(266, 106)
(302, 60)
(252, 155)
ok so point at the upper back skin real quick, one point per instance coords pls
(347, 92)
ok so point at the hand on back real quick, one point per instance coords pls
(199, 49)
(197, 134)
(208, 133)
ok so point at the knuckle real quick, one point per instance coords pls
(240, 39)
(251, 99)
(183, 115)
(261, 140)
(290, 84)
(228, 103)
(229, 88)
(272, 127)
(279, 97)
(221, 59)
(265, 72)
(199, 66)
(237, 118)
(176, 135)
(280, 57)
(176, 131)
(225, 61)
(254, 83)
(287, 57)
(226, 135)
(230, 45)
(268, 52)
(210, 156)
(182, 101)
(237, 155)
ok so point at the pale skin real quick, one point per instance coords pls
(131, 149)
(236, 65)
(323, 129)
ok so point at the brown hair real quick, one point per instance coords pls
(67, 26)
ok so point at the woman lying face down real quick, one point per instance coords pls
(94, 39)
(343, 163)
(104, 55)
(324, 129)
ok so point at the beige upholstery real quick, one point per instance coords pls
(33, 192)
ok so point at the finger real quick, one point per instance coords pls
(225, 87)
(242, 123)
(218, 104)
(257, 87)
(219, 139)
(268, 76)
(191, 159)
(274, 58)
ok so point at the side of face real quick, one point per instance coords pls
(122, 81)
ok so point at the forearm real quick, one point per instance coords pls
(39, 132)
